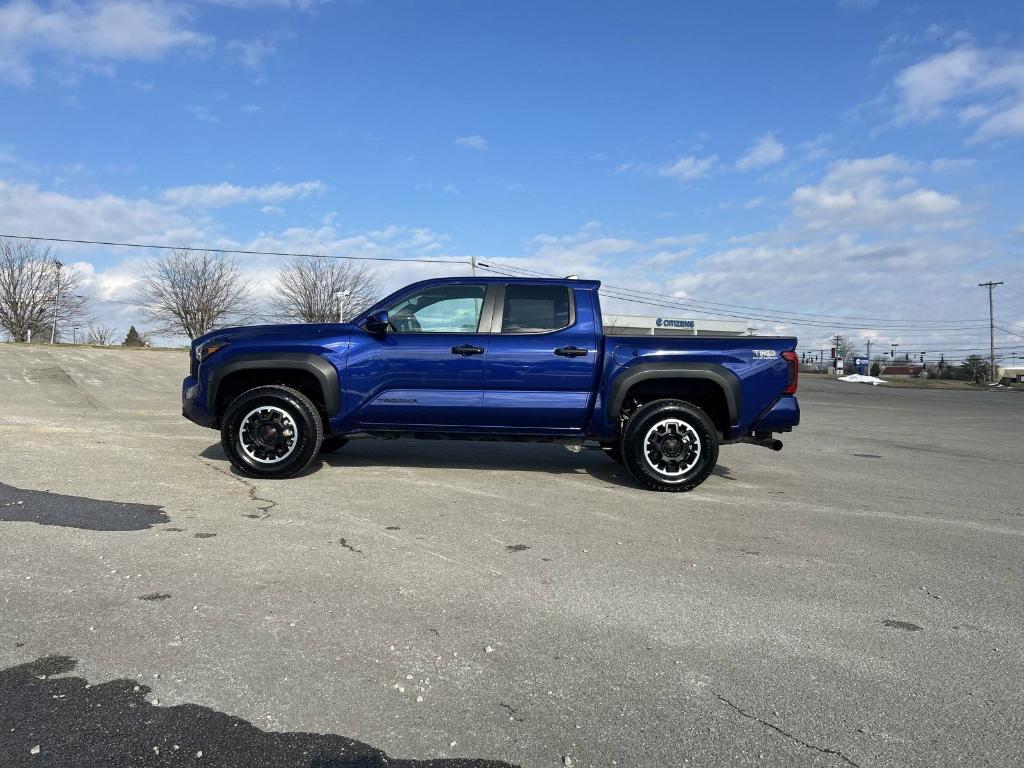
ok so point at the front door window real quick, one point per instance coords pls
(439, 309)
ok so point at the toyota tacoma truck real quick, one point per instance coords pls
(490, 358)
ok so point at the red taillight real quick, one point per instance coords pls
(794, 372)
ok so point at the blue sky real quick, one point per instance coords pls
(860, 159)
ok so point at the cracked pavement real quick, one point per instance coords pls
(853, 600)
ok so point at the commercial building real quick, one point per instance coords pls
(1011, 372)
(641, 325)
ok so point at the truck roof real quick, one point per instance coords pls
(587, 285)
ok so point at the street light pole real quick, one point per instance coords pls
(56, 302)
(340, 296)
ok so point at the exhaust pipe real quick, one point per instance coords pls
(764, 442)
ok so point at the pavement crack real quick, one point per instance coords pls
(513, 713)
(264, 505)
(782, 732)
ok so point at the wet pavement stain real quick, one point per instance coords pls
(155, 596)
(393, 528)
(904, 625)
(517, 547)
(866, 455)
(205, 535)
(344, 542)
(45, 508)
(113, 724)
(174, 530)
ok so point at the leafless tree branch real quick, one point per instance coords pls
(189, 293)
(33, 290)
(308, 288)
(101, 335)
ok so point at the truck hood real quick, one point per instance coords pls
(277, 331)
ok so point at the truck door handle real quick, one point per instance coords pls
(465, 350)
(570, 352)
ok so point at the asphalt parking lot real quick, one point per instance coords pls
(853, 600)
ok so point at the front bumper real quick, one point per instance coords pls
(193, 404)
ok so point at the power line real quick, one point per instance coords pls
(231, 250)
(780, 315)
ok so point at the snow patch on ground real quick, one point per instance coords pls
(856, 378)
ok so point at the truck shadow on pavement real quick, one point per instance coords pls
(45, 508)
(464, 454)
(60, 721)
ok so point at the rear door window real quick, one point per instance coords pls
(535, 308)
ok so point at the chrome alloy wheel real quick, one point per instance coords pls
(267, 434)
(672, 448)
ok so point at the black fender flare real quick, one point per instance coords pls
(323, 371)
(728, 381)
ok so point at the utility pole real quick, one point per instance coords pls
(56, 302)
(472, 264)
(991, 329)
(869, 356)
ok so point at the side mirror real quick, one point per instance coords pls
(377, 323)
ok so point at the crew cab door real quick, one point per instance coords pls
(541, 359)
(427, 371)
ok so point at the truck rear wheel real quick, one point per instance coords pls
(271, 432)
(670, 445)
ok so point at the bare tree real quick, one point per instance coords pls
(189, 293)
(846, 348)
(39, 296)
(101, 335)
(308, 290)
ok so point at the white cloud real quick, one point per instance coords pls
(90, 33)
(952, 164)
(253, 51)
(863, 194)
(251, 109)
(202, 114)
(979, 87)
(475, 141)
(688, 168)
(766, 151)
(27, 209)
(225, 194)
(248, 5)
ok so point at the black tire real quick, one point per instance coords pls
(670, 445)
(269, 414)
(613, 450)
(332, 443)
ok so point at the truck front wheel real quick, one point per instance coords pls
(271, 432)
(670, 445)
(613, 450)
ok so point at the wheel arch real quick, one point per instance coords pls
(711, 386)
(310, 374)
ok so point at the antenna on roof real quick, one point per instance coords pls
(571, 277)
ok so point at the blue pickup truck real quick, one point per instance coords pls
(490, 358)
